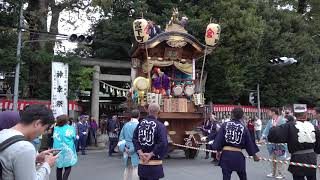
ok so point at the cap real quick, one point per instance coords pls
(300, 111)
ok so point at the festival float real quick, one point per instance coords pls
(164, 71)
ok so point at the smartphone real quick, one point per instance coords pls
(56, 152)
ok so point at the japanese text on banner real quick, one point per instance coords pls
(59, 88)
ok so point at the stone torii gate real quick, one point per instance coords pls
(97, 77)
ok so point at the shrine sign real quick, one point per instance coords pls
(59, 88)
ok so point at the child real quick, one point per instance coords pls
(231, 139)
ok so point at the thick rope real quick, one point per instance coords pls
(250, 157)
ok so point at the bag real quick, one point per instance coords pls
(8, 142)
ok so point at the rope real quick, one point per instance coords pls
(114, 87)
(206, 143)
(250, 157)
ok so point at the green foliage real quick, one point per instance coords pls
(35, 76)
(253, 32)
(85, 78)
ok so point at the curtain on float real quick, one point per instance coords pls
(183, 67)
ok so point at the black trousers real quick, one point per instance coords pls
(213, 155)
(227, 174)
(65, 176)
(295, 177)
(112, 144)
(147, 179)
(83, 143)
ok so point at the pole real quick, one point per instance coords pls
(95, 93)
(202, 69)
(259, 108)
(17, 72)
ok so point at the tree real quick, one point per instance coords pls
(37, 56)
(253, 32)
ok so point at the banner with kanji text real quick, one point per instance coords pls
(59, 88)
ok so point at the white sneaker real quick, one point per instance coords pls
(271, 175)
(279, 177)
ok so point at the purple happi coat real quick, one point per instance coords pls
(165, 82)
(151, 136)
(156, 82)
(235, 134)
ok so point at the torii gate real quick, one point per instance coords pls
(97, 77)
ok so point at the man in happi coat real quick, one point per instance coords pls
(130, 156)
(232, 137)
(210, 129)
(151, 143)
(205, 128)
(303, 140)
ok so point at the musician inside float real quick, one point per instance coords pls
(160, 82)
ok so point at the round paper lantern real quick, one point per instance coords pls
(189, 90)
(212, 34)
(140, 29)
(177, 90)
(141, 83)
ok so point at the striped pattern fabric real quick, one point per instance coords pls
(8, 104)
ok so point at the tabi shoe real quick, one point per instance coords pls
(271, 175)
(279, 177)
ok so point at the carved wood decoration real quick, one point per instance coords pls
(172, 53)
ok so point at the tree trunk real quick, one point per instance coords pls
(54, 28)
(36, 16)
(302, 6)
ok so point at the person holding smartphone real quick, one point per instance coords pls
(64, 137)
(18, 161)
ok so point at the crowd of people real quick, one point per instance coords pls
(286, 132)
(33, 141)
(143, 142)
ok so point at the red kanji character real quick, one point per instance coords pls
(210, 33)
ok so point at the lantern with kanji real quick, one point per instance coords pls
(140, 29)
(212, 34)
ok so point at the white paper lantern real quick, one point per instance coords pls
(140, 29)
(212, 35)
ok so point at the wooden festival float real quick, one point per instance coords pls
(163, 71)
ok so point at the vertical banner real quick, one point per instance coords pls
(59, 88)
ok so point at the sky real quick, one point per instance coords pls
(83, 23)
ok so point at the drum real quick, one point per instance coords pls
(141, 83)
(177, 90)
(189, 90)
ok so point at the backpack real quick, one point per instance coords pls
(8, 142)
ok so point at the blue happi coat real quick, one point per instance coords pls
(279, 150)
(151, 136)
(63, 139)
(125, 141)
(234, 134)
